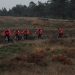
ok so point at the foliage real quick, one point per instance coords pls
(52, 8)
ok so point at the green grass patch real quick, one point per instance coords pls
(10, 50)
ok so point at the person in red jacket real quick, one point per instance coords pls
(7, 34)
(60, 32)
(26, 33)
(39, 33)
(17, 34)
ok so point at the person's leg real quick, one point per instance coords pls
(17, 37)
(8, 38)
(26, 36)
(39, 36)
(60, 35)
(20, 37)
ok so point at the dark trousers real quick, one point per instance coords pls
(60, 35)
(26, 36)
(8, 38)
(39, 36)
(18, 37)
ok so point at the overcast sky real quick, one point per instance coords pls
(10, 3)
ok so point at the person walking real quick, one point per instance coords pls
(17, 34)
(60, 32)
(7, 34)
(26, 33)
(39, 33)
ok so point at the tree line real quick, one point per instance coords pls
(64, 9)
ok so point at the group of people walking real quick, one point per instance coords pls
(24, 34)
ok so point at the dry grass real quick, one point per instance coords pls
(36, 22)
(40, 59)
(49, 57)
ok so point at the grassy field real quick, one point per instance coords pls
(48, 56)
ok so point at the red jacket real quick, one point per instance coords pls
(61, 30)
(26, 32)
(17, 32)
(7, 33)
(39, 31)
